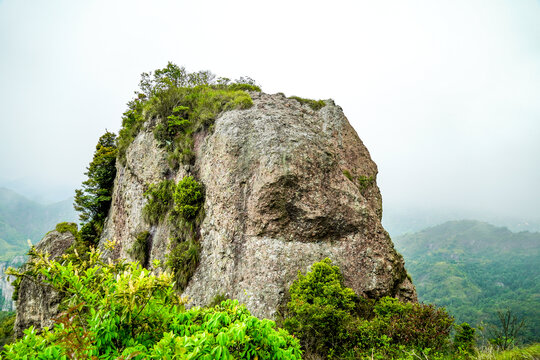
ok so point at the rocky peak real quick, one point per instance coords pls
(285, 186)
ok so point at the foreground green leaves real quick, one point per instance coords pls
(119, 310)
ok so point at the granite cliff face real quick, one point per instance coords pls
(286, 186)
(37, 304)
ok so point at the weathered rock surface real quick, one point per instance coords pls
(37, 304)
(286, 186)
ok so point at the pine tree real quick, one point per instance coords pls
(94, 199)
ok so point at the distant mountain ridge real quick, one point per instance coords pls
(474, 268)
(22, 219)
(399, 220)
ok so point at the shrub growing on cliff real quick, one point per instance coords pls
(182, 112)
(94, 199)
(313, 104)
(183, 260)
(331, 321)
(139, 250)
(184, 203)
(159, 201)
(181, 104)
(188, 198)
(119, 310)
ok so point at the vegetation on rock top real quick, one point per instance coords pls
(181, 104)
(313, 104)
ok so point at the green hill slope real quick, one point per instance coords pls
(473, 269)
(22, 219)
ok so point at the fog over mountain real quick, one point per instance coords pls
(444, 95)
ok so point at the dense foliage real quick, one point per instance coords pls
(94, 199)
(119, 310)
(181, 104)
(332, 321)
(184, 203)
(7, 319)
(188, 198)
(159, 201)
(475, 270)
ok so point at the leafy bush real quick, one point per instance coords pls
(188, 198)
(132, 123)
(119, 310)
(313, 104)
(414, 325)
(7, 320)
(160, 201)
(332, 321)
(244, 87)
(464, 338)
(320, 308)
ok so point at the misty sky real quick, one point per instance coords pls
(445, 94)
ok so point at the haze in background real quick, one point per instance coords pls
(445, 95)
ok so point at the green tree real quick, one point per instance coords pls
(320, 308)
(506, 335)
(94, 199)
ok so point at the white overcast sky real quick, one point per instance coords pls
(445, 94)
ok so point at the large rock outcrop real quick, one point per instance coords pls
(37, 304)
(286, 186)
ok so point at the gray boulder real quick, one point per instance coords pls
(286, 186)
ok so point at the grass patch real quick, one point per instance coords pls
(361, 181)
(315, 105)
(139, 250)
(183, 260)
(529, 352)
(64, 227)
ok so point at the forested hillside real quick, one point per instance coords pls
(22, 219)
(474, 269)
